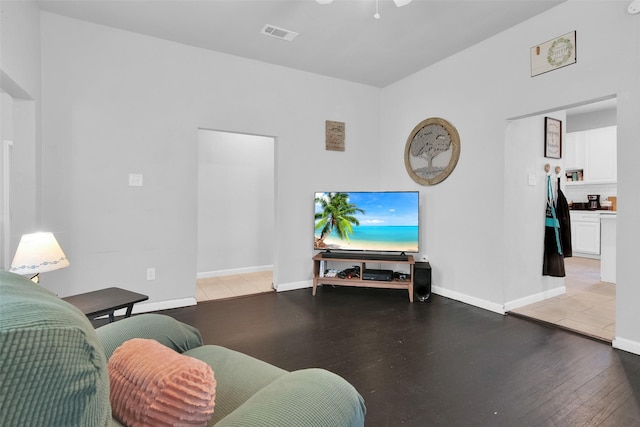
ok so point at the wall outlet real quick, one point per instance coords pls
(151, 273)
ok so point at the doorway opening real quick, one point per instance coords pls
(236, 214)
(589, 304)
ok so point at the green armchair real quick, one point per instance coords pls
(53, 370)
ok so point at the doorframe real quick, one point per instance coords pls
(7, 161)
(551, 111)
(273, 248)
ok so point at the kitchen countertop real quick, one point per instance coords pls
(593, 215)
(599, 211)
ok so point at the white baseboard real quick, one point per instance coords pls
(531, 299)
(477, 302)
(626, 345)
(583, 255)
(186, 302)
(294, 285)
(244, 270)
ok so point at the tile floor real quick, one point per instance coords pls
(588, 307)
(225, 287)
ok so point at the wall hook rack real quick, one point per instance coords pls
(547, 168)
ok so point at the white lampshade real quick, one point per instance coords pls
(37, 253)
(401, 3)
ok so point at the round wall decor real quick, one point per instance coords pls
(432, 151)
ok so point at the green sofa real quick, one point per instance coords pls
(53, 369)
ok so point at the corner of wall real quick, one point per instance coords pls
(626, 345)
(532, 299)
(467, 299)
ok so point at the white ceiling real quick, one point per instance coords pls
(341, 39)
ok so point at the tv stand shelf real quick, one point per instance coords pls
(359, 282)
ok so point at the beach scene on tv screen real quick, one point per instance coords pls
(367, 221)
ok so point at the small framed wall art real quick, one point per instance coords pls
(334, 135)
(552, 138)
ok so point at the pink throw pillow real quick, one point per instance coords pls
(152, 385)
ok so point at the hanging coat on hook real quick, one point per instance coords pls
(564, 218)
(553, 261)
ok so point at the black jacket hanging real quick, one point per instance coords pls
(564, 217)
(553, 261)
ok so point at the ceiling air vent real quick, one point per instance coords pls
(279, 33)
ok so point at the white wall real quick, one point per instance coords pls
(20, 82)
(593, 120)
(117, 103)
(524, 247)
(469, 221)
(20, 44)
(236, 203)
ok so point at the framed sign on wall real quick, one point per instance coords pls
(553, 54)
(552, 138)
(334, 135)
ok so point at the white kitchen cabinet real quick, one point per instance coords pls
(574, 150)
(601, 162)
(585, 234)
(595, 151)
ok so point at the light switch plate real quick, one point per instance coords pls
(532, 179)
(135, 180)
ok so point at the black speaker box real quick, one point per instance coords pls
(422, 281)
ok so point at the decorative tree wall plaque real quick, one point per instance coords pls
(432, 151)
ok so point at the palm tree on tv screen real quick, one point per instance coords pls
(337, 214)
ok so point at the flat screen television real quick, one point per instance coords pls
(377, 221)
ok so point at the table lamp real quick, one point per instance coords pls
(38, 253)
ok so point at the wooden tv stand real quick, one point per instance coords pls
(394, 284)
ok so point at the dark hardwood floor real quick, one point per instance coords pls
(442, 363)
